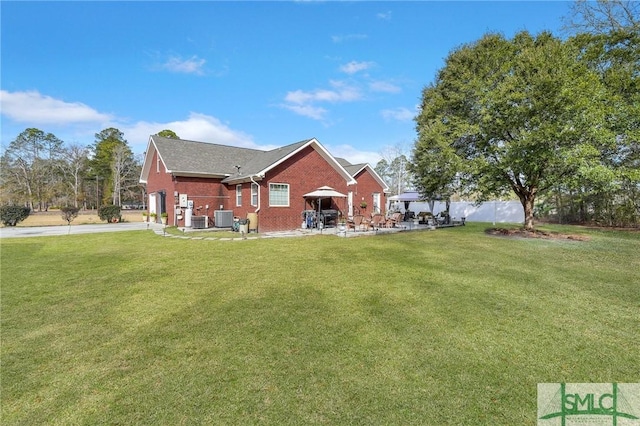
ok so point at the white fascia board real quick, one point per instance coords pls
(146, 165)
(244, 179)
(376, 176)
(187, 173)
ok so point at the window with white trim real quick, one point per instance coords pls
(376, 202)
(279, 195)
(254, 194)
(238, 195)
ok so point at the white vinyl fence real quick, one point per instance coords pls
(490, 211)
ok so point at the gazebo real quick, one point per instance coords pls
(409, 196)
(323, 215)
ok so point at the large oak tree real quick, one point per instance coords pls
(506, 115)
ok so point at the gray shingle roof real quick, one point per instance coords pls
(352, 169)
(186, 156)
(266, 158)
(342, 161)
(191, 157)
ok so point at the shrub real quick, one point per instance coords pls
(69, 213)
(12, 215)
(110, 213)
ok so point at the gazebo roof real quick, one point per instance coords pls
(324, 192)
(407, 196)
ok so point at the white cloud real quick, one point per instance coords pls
(354, 155)
(36, 109)
(305, 102)
(342, 93)
(347, 37)
(314, 112)
(384, 86)
(384, 15)
(197, 127)
(399, 114)
(74, 119)
(319, 95)
(193, 65)
(354, 67)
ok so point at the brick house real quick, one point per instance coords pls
(189, 180)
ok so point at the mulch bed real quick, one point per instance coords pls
(523, 233)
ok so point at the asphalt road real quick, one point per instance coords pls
(44, 231)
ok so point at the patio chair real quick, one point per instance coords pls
(377, 221)
(425, 217)
(356, 222)
(394, 220)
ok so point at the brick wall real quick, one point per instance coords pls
(202, 191)
(367, 185)
(160, 180)
(304, 172)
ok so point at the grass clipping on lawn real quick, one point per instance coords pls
(444, 327)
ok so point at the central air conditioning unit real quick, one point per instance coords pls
(223, 218)
(199, 222)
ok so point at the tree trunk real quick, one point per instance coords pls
(527, 204)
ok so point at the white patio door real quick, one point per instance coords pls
(152, 203)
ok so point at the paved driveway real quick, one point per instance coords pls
(44, 231)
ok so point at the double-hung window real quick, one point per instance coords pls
(279, 195)
(254, 194)
(376, 202)
(238, 195)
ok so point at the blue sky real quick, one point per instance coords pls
(252, 74)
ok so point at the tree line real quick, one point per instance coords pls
(39, 171)
(554, 121)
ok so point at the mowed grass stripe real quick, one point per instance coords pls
(445, 327)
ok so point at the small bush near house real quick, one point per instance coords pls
(110, 213)
(12, 215)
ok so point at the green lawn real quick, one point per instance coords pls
(445, 327)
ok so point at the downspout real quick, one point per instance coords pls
(258, 206)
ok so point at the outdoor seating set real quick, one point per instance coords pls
(377, 221)
(325, 218)
(427, 218)
(442, 219)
